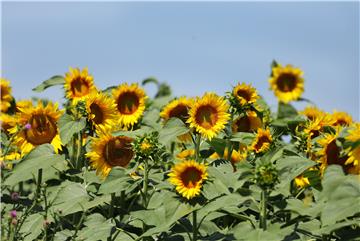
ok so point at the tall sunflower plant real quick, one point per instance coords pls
(117, 164)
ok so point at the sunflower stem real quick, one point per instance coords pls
(194, 226)
(197, 147)
(78, 150)
(263, 202)
(38, 183)
(145, 183)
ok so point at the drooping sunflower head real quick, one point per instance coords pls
(341, 118)
(245, 94)
(101, 110)
(312, 112)
(329, 152)
(39, 127)
(78, 84)
(287, 83)
(130, 103)
(209, 115)
(262, 141)
(249, 122)
(178, 108)
(188, 177)
(108, 151)
(6, 96)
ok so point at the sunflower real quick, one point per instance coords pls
(354, 156)
(178, 108)
(249, 122)
(39, 127)
(130, 103)
(209, 115)
(312, 112)
(78, 84)
(188, 177)
(186, 154)
(330, 152)
(6, 97)
(108, 151)
(236, 156)
(301, 181)
(287, 83)
(354, 133)
(245, 94)
(353, 152)
(5, 160)
(23, 104)
(341, 118)
(7, 122)
(101, 110)
(262, 141)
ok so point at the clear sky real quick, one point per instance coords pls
(194, 46)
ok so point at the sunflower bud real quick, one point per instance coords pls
(266, 175)
(147, 147)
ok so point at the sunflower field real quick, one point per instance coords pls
(115, 164)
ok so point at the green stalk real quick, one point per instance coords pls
(78, 150)
(263, 202)
(194, 226)
(145, 183)
(112, 203)
(197, 147)
(38, 184)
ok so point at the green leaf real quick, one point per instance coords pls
(55, 80)
(97, 228)
(71, 197)
(63, 235)
(151, 118)
(32, 227)
(68, 127)
(116, 181)
(231, 200)
(172, 129)
(150, 80)
(161, 101)
(292, 166)
(42, 157)
(243, 137)
(286, 110)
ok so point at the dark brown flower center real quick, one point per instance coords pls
(190, 177)
(128, 103)
(206, 116)
(43, 129)
(180, 111)
(4, 92)
(244, 94)
(242, 124)
(333, 153)
(341, 122)
(79, 87)
(286, 82)
(260, 143)
(118, 151)
(97, 113)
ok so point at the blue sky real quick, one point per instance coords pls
(194, 46)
